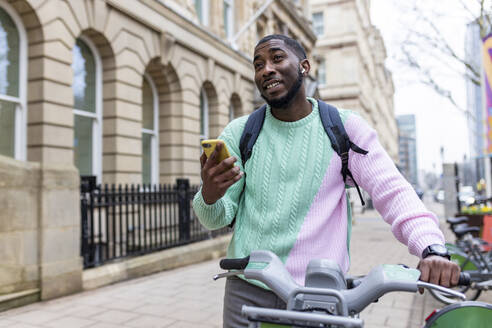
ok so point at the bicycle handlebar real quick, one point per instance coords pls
(266, 267)
(465, 279)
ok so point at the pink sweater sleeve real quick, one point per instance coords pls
(393, 197)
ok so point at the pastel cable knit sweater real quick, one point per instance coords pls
(294, 203)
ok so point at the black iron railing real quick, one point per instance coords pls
(121, 221)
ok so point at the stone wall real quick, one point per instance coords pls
(39, 238)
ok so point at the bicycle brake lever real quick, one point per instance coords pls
(228, 274)
(441, 289)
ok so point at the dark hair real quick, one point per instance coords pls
(294, 45)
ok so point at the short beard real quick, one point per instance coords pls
(285, 101)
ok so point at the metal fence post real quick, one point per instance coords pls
(87, 186)
(84, 230)
(183, 186)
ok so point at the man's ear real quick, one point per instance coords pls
(305, 66)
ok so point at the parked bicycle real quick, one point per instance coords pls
(329, 299)
(472, 255)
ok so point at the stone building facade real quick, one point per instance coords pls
(120, 90)
(350, 56)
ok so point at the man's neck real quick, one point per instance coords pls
(297, 109)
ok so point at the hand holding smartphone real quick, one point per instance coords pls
(210, 145)
(220, 173)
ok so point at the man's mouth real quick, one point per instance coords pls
(272, 85)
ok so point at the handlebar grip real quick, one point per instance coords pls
(465, 279)
(234, 264)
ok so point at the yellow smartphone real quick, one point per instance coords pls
(209, 146)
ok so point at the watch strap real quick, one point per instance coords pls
(431, 250)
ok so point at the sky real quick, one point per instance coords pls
(438, 122)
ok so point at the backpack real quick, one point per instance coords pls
(332, 123)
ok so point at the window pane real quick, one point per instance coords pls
(203, 114)
(227, 8)
(84, 78)
(231, 112)
(202, 123)
(147, 106)
(322, 72)
(146, 158)
(7, 128)
(318, 24)
(198, 9)
(83, 144)
(9, 56)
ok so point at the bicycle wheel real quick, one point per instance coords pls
(471, 294)
(462, 315)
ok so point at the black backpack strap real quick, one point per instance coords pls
(251, 132)
(340, 141)
(248, 138)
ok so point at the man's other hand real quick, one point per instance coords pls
(439, 270)
(217, 177)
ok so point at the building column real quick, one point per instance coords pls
(60, 263)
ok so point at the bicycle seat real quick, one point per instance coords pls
(457, 220)
(461, 231)
(459, 226)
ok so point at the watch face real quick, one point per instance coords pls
(439, 249)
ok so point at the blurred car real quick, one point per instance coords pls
(439, 196)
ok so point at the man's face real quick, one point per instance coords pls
(277, 73)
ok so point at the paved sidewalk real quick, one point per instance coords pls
(188, 297)
(182, 298)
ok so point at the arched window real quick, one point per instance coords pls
(87, 87)
(203, 115)
(13, 61)
(150, 157)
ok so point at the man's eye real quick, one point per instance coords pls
(258, 65)
(277, 57)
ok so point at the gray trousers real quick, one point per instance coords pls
(238, 293)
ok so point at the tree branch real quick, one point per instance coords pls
(427, 79)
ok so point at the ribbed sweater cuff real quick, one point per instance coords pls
(211, 215)
(423, 234)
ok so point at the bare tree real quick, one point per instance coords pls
(427, 51)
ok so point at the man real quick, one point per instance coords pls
(294, 200)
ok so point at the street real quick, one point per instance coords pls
(188, 297)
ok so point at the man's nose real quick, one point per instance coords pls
(268, 69)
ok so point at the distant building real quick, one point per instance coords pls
(407, 148)
(474, 106)
(349, 59)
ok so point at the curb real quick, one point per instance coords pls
(155, 262)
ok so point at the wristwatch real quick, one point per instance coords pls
(436, 249)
